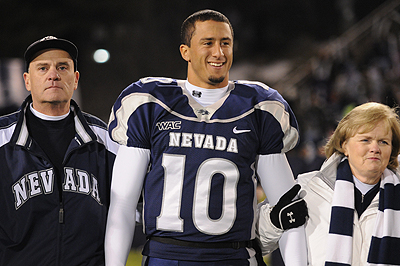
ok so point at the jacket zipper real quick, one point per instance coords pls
(61, 214)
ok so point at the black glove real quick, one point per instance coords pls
(289, 213)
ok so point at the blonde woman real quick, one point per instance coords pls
(354, 199)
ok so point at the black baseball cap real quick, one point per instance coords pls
(49, 42)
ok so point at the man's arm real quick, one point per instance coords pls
(129, 170)
(276, 179)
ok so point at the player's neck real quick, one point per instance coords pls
(207, 84)
(204, 96)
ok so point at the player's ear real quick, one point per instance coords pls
(27, 81)
(184, 49)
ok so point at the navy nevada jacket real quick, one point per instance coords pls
(37, 226)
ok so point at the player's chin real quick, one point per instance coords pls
(216, 80)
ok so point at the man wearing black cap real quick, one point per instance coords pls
(56, 165)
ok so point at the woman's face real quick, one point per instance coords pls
(369, 153)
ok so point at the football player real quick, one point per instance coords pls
(197, 148)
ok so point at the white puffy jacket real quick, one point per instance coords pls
(319, 187)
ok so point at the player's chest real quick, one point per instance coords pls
(236, 137)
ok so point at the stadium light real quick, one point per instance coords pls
(101, 56)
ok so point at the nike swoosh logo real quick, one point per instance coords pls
(238, 131)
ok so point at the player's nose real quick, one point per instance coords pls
(217, 50)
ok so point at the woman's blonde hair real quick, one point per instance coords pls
(366, 116)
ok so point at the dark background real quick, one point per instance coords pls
(143, 36)
(292, 36)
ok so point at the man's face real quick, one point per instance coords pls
(210, 54)
(51, 81)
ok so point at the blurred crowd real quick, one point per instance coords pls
(339, 80)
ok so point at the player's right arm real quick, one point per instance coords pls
(130, 125)
(130, 168)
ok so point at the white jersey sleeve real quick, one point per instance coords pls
(128, 174)
(276, 179)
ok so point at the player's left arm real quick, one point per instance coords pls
(276, 178)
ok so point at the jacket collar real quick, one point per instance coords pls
(323, 182)
(329, 169)
(21, 134)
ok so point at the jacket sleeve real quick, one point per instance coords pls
(267, 233)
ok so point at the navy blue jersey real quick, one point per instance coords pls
(201, 181)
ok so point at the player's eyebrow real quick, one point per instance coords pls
(213, 39)
(207, 39)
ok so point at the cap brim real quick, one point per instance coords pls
(33, 50)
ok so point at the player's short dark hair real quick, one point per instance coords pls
(188, 26)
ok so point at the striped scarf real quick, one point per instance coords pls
(385, 243)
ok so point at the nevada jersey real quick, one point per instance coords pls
(201, 182)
